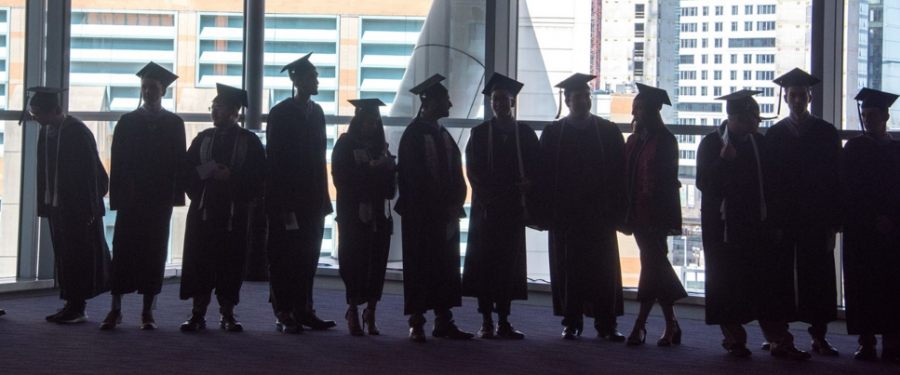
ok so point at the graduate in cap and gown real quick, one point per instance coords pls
(297, 199)
(737, 238)
(148, 151)
(365, 180)
(583, 193)
(71, 184)
(225, 171)
(654, 211)
(805, 205)
(501, 161)
(872, 230)
(432, 193)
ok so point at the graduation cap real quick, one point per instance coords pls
(867, 98)
(742, 103)
(231, 95)
(430, 88)
(796, 77)
(502, 82)
(577, 81)
(43, 97)
(154, 71)
(652, 95)
(370, 105)
(298, 66)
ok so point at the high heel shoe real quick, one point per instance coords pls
(369, 319)
(638, 334)
(672, 335)
(353, 323)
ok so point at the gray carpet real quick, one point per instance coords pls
(29, 345)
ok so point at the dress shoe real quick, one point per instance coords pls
(230, 324)
(147, 321)
(611, 334)
(766, 346)
(112, 319)
(638, 336)
(571, 332)
(486, 331)
(738, 350)
(506, 331)
(866, 353)
(417, 333)
(310, 320)
(672, 335)
(288, 325)
(71, 315)
(822, 346)
(368, 317)
(790, 352)
(352, 317)
(194, 323)
(449, 330)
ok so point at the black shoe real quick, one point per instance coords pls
(230, 324)
(57, 314)
(147, 321)
(288, 325)
(822, 346)
(790, 352)
(194, 323)
(571, 332)
(417, 333)
(71, 315)
(766, 346)
(486, 331)
(611, 334)
(738, 350)
(310, 320)
(113, 319)
(506, 331)
(866, 353)
(2, 312)
(451, 331)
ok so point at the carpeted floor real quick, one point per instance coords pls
(29, 345)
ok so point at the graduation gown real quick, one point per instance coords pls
(71, 184)
(148, 150)
(432, 193)
(584, 193)
(737, 249)
(654, 210)
(872, 258)
(297, 182)
(806, 205)
(495, 266)
(364, 218)
(215, 238)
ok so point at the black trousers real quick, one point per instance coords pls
(293, 260)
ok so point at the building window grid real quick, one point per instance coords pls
(765, 25)
(765, 9)
(765, 75)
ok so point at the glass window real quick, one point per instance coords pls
(704, 75)
(748, 9)
(717, 59)
(705, 43)
(734, 10)
(718, 26)
(734, 26)
(748, 59)
(748, 26)
(705, 26)
(748, 75)
(765, 25)
(734, 58)
(639, 11)
(12, 56)
(720, 10)
(703, 91)
(705, 11)
(733, 75)
(704, 59)
(717, 75)
(686, 59)
(639, 29)
(717, 91)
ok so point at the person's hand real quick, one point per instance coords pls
(728, 152)
(222, 172)
(883, 224)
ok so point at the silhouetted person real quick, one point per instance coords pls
(365, 180)
(148, 151)
(805, 206)
(297, 199)
(71, 184)
(654, 211)
(737, 239)
(501, 161)
(430, 203)
(583, 167)
(872, 231)
(225, 171)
